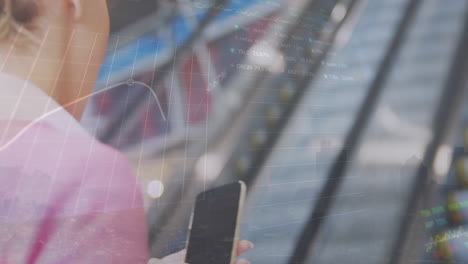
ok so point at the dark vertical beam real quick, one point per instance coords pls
(337, 172)
(444, 120)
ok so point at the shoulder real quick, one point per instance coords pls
(41, 142)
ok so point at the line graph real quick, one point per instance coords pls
(129, 82)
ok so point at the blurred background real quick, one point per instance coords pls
(346, 119)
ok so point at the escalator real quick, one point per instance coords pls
(341, 116)
(365, 216)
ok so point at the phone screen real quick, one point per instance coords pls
(214, 224)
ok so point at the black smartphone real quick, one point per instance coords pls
(214, 225)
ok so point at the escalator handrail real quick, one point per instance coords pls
(445, 118)
(304, 244)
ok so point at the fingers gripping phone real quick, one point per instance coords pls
(214, 225)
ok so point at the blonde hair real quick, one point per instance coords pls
(17, 16)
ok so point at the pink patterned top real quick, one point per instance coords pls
(64, 196)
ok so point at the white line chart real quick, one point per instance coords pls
(129, 82)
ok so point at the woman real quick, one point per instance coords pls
(65, 197)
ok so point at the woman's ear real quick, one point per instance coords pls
(76, 6)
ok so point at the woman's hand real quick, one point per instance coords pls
(179, 258)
